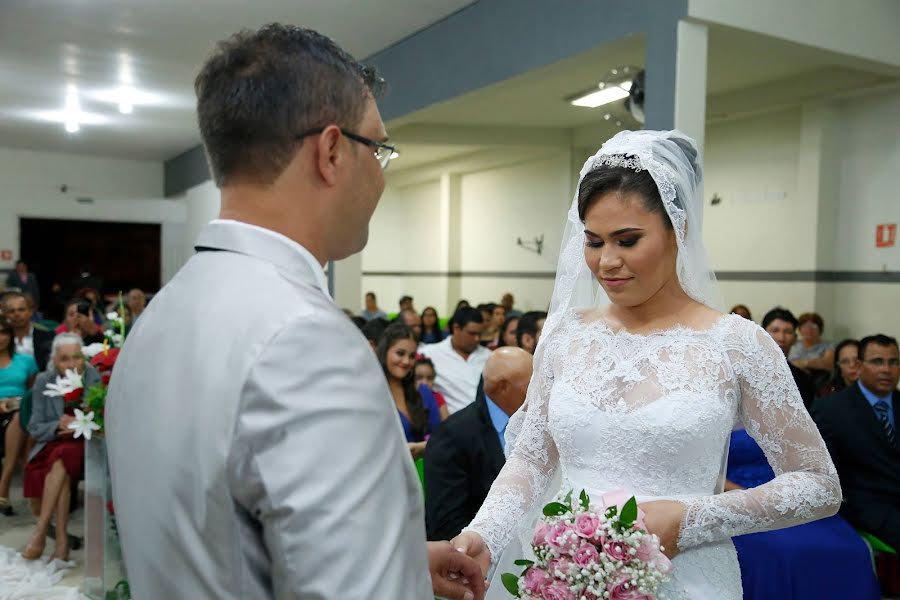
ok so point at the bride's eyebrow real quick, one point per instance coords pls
(616, 232)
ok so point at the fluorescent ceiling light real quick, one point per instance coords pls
(603, 95)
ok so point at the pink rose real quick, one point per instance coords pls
(618, 591)
(648, 550)
(558, 537)
(662, 563)
(585, 555)
(540, 534)
(617, 550)
(562, 564)
(558, 591)
(536, 580)
(586, 525)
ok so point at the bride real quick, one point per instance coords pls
(640, 380)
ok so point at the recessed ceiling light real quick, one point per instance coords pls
(603, 94)
(394, 155)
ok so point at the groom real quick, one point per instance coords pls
(254, 449)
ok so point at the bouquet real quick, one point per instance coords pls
(585, 552)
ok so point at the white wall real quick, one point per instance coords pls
(123, 190)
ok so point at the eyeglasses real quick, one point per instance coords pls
(880, 362)
(383, 152)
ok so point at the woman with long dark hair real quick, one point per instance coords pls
(416, 406)
(846, 368)
(431, 326)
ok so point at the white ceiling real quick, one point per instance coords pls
(45, 45)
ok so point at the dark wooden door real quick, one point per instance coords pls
(120, 255)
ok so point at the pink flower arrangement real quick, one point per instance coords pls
(585, 551)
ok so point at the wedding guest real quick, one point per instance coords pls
(57, 458)
(781, 325)
(17, 372)
(490, 337)
(528, 333)
(431, 326)
(416, 405)
(24, 281)
(411, 319)
(406, 303)
(742, 310)
(135, 303)
(846, 368)
(80, 320)
(507, 302)
(372, 311)
(859, 426)
(459, 359)
(465, 454)
(425, 375)
(812, 353)
(508, 332)
(30, 338)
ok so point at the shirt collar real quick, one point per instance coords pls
(278, 249)
(499, 418)
(872, 397)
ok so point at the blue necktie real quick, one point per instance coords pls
(881, 410)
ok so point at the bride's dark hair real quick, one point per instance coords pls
(605, 179)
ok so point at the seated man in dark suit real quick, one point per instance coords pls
(859, 425)
(465, 453)
(781, 324)
(30, 338)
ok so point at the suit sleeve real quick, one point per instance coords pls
(318, 459)
(446, 484)
(821, 412)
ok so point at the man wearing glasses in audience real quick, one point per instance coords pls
(859, 425)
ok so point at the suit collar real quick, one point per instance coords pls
(290, 258)
(863, 411)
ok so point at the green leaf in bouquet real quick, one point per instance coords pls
(568, 500)
(585, 500)
(555, 509)
(629, 512)
(611, 512)
(523, 563)
(511, 583)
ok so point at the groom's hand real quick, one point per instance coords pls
(453, 574)
(472, 544)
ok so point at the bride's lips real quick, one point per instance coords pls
(615, 282)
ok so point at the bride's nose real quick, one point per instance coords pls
(610, 260)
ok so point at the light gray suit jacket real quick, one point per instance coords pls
(254, 447)
(46, 410)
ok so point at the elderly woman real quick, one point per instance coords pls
(57, 459)
(811, 352)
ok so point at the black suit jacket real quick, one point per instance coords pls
(43, 341)
(867, 463)
(462, 459)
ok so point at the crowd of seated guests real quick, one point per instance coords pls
(34, 426)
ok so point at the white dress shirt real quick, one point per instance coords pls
(25, 345)
(457, 378)
(254, 448)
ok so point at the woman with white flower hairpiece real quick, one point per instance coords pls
(639, 380)
(57, 458)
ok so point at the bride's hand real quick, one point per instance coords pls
(663, 517)
(472, 544)
(453, 574)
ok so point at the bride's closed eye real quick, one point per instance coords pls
(625, 243)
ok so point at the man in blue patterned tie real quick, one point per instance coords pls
(859, 425)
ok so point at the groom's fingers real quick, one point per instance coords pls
(469, 571)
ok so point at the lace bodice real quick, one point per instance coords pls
(652, 414)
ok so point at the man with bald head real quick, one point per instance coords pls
(465, 453)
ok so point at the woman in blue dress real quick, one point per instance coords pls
(416, 406)
(817, 561)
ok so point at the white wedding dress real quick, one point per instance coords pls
(652, 414)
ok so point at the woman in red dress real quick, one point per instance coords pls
(57, 459)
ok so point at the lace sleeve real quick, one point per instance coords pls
(528, 470)
(805, 487)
